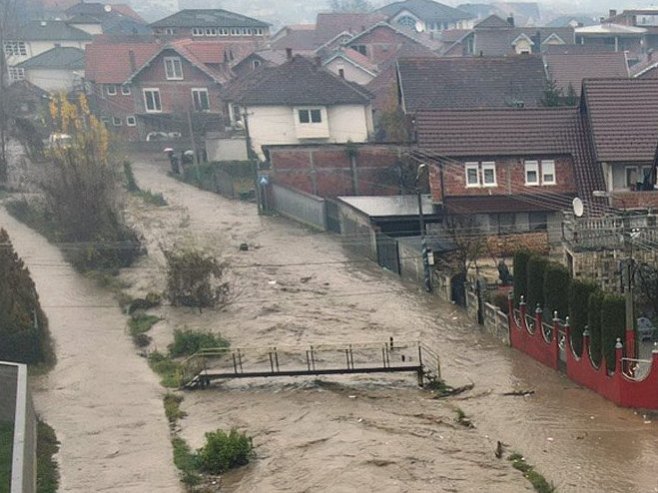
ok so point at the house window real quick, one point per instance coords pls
(506, 223)
(170, 31)
(310, 115)
(237, 113)
(16, 74)
(116, 121)
(125, 90)
(472, 174)
(548, 172)
(173, 68)
(258, 31)
(211, 31)
(257, 63)
(407, 21)
(538, 221)
(361, 49)
(105, 120)
(131, 121)
(532, 172)
(15, 48)
(235, 31)
(152, 101)
(489, 174)
(200, 99)
(197, 31)
(223, 31)
(111, 89)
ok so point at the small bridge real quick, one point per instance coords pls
(212, 364)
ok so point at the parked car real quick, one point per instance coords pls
(645, 329)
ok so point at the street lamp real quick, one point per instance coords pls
(427, 281)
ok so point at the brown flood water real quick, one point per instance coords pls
(376, 433)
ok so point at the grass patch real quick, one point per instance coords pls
(6, 447)
(463, 419)
(139, 324)
(186, 461)
(47, 447)
(107, 280)
(172, 407)
(537, 481)
(168, 369)
(187, 342)
(153, 198)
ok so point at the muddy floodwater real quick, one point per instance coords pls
(359, 433)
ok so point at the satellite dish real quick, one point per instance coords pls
(578, 207)
(419, 27)
(107, 8)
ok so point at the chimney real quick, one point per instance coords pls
(510, 20)
(133, 61)
(288, 53)
(612, 13)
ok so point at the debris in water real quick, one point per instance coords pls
(244, 247)
(306, 279)
(550, 439)
(519, 393)
(351, 396)
(271, 283)
(499, 449)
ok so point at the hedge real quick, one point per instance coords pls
(521, 258)
(556, 290)
(613, 320)
(579, 292)
(535, 281)
(594, 324)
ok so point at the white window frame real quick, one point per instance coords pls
(154, 90)
(224, 31)
(106, 120)
(310, 111)
(470, 166)
(489, 166)
(131, 121)
(111, 89)
(530, 166)
(197, 31)
(126, 90)
(16, 73)
(258, 31)
(15, 48)
(200, 90)
(173, 60)
(170, 31)
(550, 163)
(117, 121)
(256, 64)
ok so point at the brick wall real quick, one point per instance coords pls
(382, 43)
(330, 171)
(635, 200)
(115, 106)
(506, 245)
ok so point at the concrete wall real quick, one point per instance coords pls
(16, 407)
(302, 207)
(226, 149)
(54, 80)
(358, 232)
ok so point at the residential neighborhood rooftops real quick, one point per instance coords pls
(299, 82)
(571, 69)
(51, 31)
(208, 18)
(426, 10)
(330, 24)
(623, 114)
(479, 82)
(97, 8)
(59, 58)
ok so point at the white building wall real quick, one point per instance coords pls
(54, 80)
(352, 72)
(270, 125)
(349, 122)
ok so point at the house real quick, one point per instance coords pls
(261, 58)
(526, 14)
(299, 102)
(460, 83)
(617, 37)
(210, 23)
(512, 170)
(27, 101)
(109, 62)
(623, 119)
(426, 16)
(576, 20)
(98, 18)
(646, 18)
(55, 70)
(569, 69)
(351, 65)
(37, 37)
(185, 77)
(495, 36)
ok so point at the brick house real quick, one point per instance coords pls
(109, 62)
(210, 23)
(569, 69)
(184, 76)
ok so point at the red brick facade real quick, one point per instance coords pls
(383, 43)
(116, 109)
(635, 200)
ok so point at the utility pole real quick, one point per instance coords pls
(195, 157)
(427, 276)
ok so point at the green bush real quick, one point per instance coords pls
(579, 292)
(613, 320)
(187, 342)
(47, 470)
(172, 407)
(168, 369)
(556, 290)
(153, 198)
(535, 283)
(186, 461)
(195, 279)
(222, 451)
(594, 322)
(139, 324)
(521, 259)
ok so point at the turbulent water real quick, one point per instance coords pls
(295, 286)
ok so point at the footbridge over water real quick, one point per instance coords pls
(212, 364)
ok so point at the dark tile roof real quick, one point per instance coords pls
(479, 82)
(565, 20)
(572, 69)
(498, 41)
(501, 204)
(51, 31)
(493, 22)
(578, 49)
(298, 82)
(103, 9)
(426, 10)
(330, 24)
(208, 18)
(56, 59)
(298, 39)
(623, 115)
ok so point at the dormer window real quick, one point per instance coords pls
(310, 115)
(407, 21)
(173, 68)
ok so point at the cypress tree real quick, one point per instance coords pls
(594, 322)
(579, 292)
(613, 320)
(521, 258)
(556, 289)
(535, 283)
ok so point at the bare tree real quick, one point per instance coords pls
(7, 22)
(469, 241)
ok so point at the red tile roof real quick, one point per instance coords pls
(571, 69)
(108, 61)
(212, 52)
(623, 115)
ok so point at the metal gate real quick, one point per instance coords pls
(388, 253)
(333, 216)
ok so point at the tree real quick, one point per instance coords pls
(195, 279)
(521, 259)
(556, 289)
(579, 293)
(535, 296)
(552, 94)
(469, 241)
(350, 6)
(594, 324)
(613, 321)
(7, 22)
(571, 99)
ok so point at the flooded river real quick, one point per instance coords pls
(368, 433)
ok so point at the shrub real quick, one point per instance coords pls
(172, 407)
(186, 461)
(594, 322)
(521, 259)
(222, 451)
(153, 198)
(613, 320)
(195, 279)
(579, 292)
(535, 283)
(168, 369)
(131, 183)
(139, 324)
(187, 342)
(556, 289)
